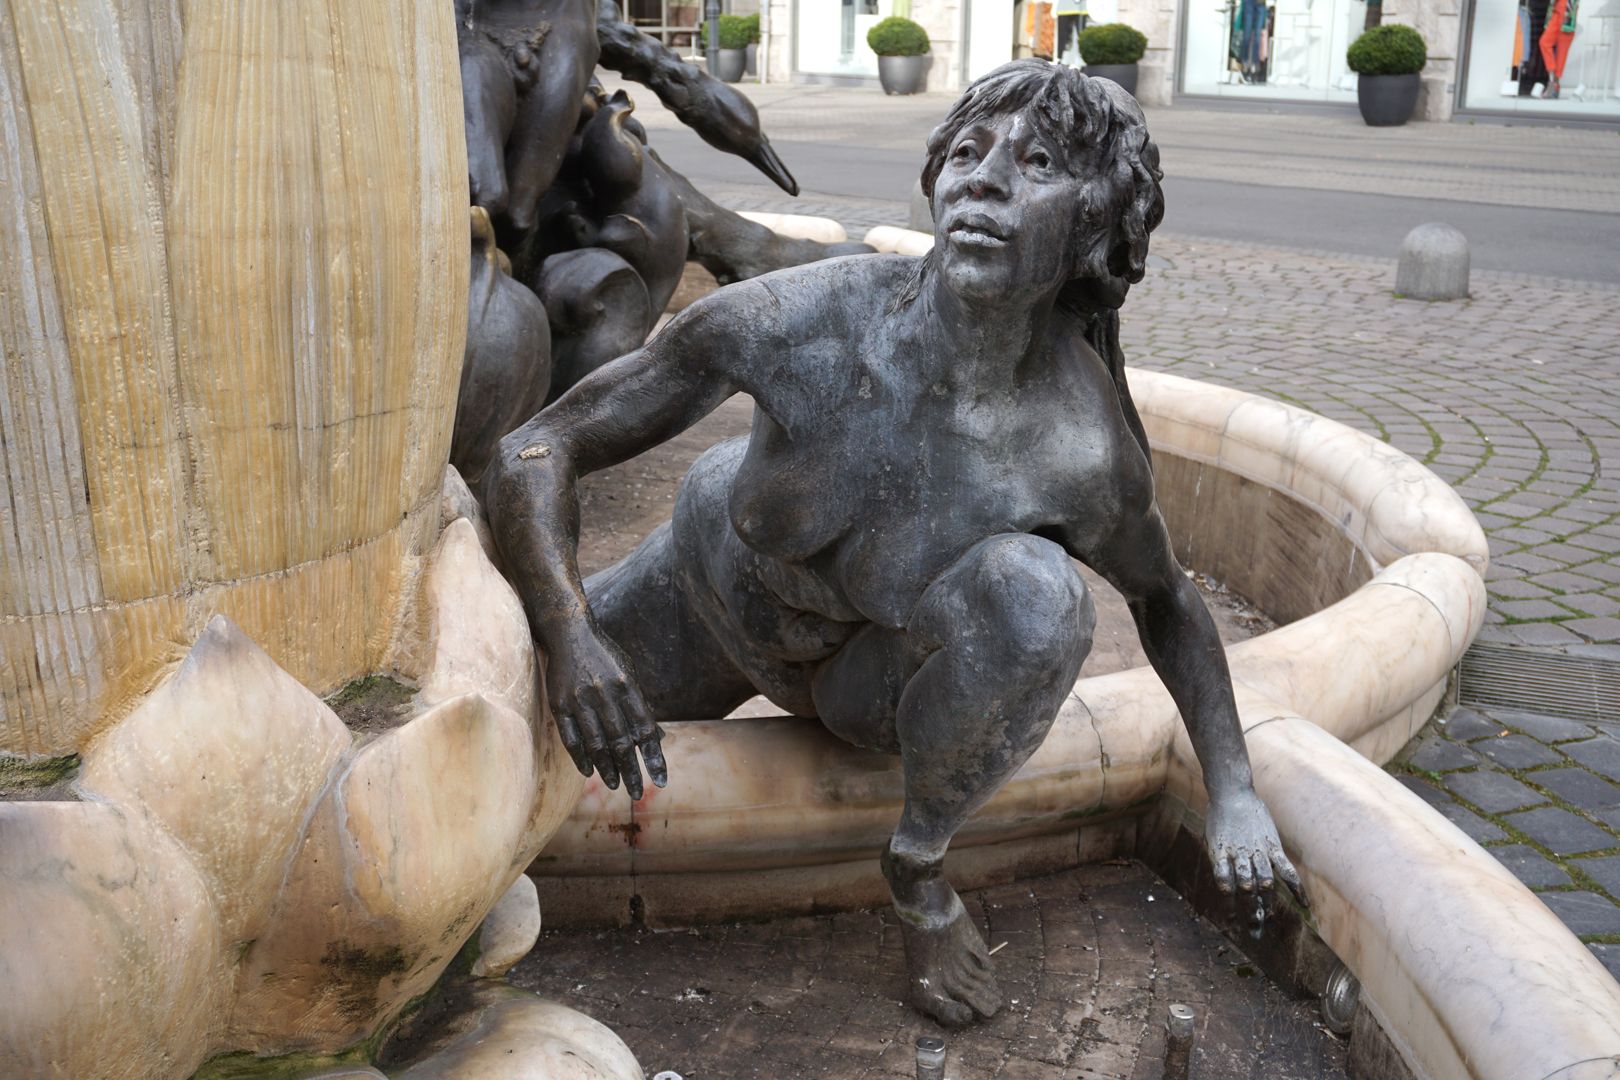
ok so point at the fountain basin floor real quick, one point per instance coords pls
(1092, 959)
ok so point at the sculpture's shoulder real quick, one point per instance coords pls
(830, 296)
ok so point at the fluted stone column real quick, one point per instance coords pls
(233, 274)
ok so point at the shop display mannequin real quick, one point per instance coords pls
(1556, 40)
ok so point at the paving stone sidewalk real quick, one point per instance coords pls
(1541, 794)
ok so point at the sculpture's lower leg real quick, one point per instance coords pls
(1005, 630)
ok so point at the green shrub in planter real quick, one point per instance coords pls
(734, 31)
(1390, 49)
(1112, 43)
(896, 36)
(752, 22)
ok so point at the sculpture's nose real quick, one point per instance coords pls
(993, 177)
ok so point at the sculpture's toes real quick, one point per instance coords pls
(975, 984)
(946, 1010)
(952, 976)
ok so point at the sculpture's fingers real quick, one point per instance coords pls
(1221, 859)
(569, 730)
(1290, 876)
(621, 745)
(647, 735)
(1243, 867)
(652, 752)
(596, 745)
(1263, 879)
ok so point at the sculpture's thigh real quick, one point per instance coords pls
(1004, 632)
(679, 668)
(857, 692)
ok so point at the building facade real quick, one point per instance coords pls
(1552, 59)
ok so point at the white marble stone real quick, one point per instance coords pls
(1461, 963)
(243, 874)
(893, 240)
(799, 226)
(511, 1034)
(510, 929)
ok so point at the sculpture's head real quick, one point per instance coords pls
(1041, 177)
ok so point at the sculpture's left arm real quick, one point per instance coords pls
(721, 114)
(1183, 646)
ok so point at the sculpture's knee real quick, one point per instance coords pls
(1016, 598)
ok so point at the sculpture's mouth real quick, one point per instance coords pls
(977, 230)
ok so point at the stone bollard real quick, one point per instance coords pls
(1434, 264)
(922, 215)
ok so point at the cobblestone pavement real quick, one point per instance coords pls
(1090, 961)
(1540, 793)
(1511, 396)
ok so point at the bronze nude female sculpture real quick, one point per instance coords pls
(889, 550)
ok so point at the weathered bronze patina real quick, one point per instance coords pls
(890, 550)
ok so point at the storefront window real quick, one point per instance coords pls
(1281, 49)
(831, 35)
(1557, 57)
(1049, 28)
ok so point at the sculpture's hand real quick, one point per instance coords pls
(1244, 846)
(600, 713)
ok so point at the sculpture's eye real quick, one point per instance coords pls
(1040, 159)
(964, 152)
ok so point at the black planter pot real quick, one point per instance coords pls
(902, 74)
(733, 62)
(753, 63)
(1387, 100)
(1124, 74)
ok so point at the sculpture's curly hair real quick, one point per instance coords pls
(1099, 130)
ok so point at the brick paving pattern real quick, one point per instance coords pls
(1092, 959)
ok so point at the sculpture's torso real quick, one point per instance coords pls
(872, 467)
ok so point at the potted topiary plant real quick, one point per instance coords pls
(734, 37)
(1387, 60)
(902, 50)
(753, 42)
(1111, 50)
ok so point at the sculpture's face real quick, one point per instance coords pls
(1004, 207)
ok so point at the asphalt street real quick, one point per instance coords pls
(1544, 242)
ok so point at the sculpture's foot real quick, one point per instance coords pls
(951, 975)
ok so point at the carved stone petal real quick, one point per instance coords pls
(401, 861)
(510, 929)
(228, 755)
(456, 500)
(478, 642)
(510, 1034)
(478, 634)
(109, 947)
